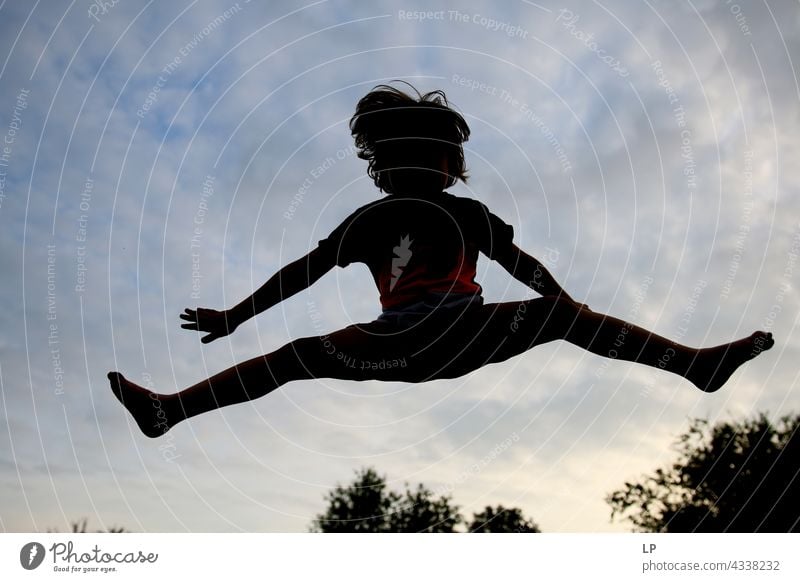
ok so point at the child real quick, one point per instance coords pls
(421, 245)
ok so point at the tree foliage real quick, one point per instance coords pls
(502, 520)
(367, 505)
(80, 526)
(420, 511)
(364, 506)
(735, 476)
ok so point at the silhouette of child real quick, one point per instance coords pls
(421, 245)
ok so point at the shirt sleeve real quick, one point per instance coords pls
(495, 234)
(342, 244)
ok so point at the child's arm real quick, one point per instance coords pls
(530, 271)
(292, 278)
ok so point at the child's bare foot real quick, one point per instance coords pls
(713, 366)
(146, 407)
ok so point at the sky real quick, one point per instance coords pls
(158, 156)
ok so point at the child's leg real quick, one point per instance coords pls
(301, 359)
(491, 334)
(707, 368)
(157, 413)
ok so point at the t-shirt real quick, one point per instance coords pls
(416, 245)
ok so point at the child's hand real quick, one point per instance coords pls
(217, 323)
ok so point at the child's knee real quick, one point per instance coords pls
(556, 315)
(297, 360)
(557, 308)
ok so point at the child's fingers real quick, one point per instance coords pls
(188, 315)
(189, 326)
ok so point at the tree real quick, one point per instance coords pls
(419, 511)
(364, 506)
(737, 477)
(367, 505)
(80, 527)
(502, 520)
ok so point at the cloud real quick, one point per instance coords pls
(592, 168)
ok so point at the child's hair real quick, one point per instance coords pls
(389, 124)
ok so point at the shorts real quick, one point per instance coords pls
(439, 302)
(430, 346)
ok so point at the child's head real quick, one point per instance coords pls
(412, 145)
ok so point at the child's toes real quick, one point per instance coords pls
(762, 341)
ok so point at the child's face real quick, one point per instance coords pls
(419, 172)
